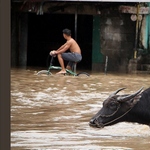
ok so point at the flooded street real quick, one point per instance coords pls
(53, 112)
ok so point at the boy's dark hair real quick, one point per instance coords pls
(67, 32)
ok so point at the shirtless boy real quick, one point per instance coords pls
(72, 56)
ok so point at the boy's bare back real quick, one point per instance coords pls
(74, 47)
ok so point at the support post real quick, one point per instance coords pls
(106, 64)
(76, 21)
(136, 35)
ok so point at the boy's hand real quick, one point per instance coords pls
(53, 53)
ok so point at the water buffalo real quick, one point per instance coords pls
(119, 108)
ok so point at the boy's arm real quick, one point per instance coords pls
(61, 47)
(65, 47)
(53, 52)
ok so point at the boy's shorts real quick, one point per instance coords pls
(72, 58)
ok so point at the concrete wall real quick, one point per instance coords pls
(97, 57)
(117, 33)
(117, 38)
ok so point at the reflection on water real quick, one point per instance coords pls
(52, 112)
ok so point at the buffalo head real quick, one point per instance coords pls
(114, 109)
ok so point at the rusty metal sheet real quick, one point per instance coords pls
(84, 0)
(133, 10)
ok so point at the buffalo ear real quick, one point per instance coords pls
(134, 100)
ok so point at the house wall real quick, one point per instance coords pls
(141, 64)
(142, 38)
(147, 30)
(117, 38)
(97, 57)
(116, 34)
(22, 44)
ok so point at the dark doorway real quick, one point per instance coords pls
(84, 38)
(45, 34)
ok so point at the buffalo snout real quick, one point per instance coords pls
(94, 123)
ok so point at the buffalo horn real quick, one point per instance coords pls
(123, 99)
(116, 92)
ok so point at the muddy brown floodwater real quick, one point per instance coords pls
(53, 112)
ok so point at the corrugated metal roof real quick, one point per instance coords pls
(106, 0)
(86, 0)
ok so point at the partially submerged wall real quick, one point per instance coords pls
(117, 32)
(117, 38)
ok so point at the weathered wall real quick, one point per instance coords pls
(97, 57)
(142, 42)
(117, 32)
(117, 38)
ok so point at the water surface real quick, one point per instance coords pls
(52, 112)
